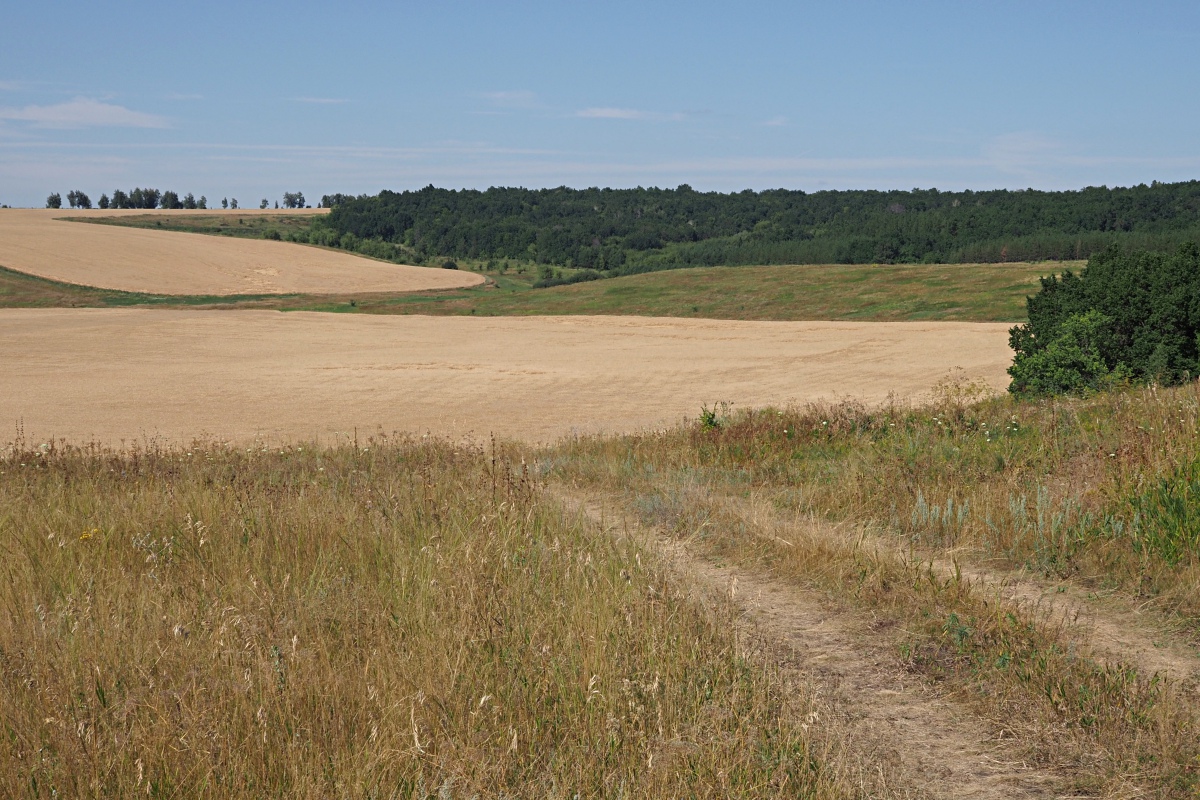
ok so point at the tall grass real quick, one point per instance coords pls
(407, 619)
(1098, 490)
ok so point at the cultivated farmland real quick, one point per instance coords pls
(159, 262)
(125, 374)
(252, 553)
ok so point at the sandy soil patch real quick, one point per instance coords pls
(125, 374)
(38, 242)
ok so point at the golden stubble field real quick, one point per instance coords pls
(113, 375)
(39, 242)
(124, 374)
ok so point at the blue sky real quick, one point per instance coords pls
(251, 100)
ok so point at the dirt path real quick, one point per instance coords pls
(931, 745)
(37, 242)
(1115, 632)
(125, 374)
(1109, 628)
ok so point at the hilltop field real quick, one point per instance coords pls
(37, 242)
(731, 532)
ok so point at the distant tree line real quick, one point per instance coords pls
(136, 198)
(622, 231)
(1127, 316)
(153, 198)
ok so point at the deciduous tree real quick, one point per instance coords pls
(78, 199)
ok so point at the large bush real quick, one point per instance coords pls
(1125, 315)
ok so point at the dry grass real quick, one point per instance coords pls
(401, 619)
(1059, 486)
(857, 501)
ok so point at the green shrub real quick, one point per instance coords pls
(1134, 315)
(1071, 363)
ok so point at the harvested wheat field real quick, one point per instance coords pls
(39, 242)
(124, 374)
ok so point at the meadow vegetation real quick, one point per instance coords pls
(391, 618)
(249, 226)
(298, 228)
(969, 293)
(895, 510)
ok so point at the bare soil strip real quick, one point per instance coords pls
(167, 262)
(1110, 629)
(1116, 631)
(931, 745)
(114, 375)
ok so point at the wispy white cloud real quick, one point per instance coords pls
(83, 112)
(626, 113)
(610, 113)
(517, 99)
(776, 122)
(11, 86)
(1022, 153)
(323, 101)
(184, 96)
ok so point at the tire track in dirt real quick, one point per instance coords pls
(930, 744)
(1113, 633)
(1108, 629)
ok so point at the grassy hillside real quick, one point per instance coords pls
(965, 292)
(968, 292)
(252, 225)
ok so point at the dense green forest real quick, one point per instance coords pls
(623, 231)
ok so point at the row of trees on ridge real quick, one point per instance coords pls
(153, 198)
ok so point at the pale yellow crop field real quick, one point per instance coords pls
(39, 242)
(125, 374)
